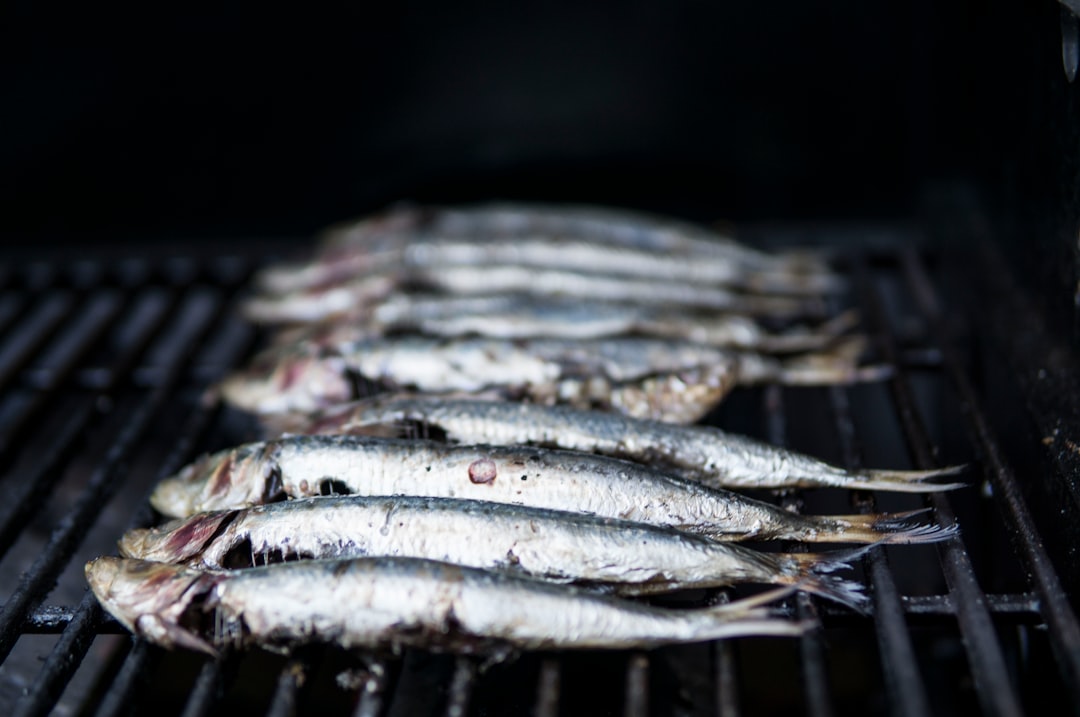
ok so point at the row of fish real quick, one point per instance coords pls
(481, 432)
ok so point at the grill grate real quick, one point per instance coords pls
(102, 367)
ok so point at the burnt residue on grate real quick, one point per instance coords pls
(102, 372)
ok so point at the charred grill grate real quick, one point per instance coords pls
(102, 367)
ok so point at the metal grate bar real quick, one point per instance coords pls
(1064, 632)
(100, 487)
(196, 426)
(63, 661)
(461, 687)
(32, 334)
(117, 697)
(89, 333)
(290, 680)
(547, 688)
(373, 690)
(636, 702)
(29, 494)
(727, 683)
(811, 645)
(812, 653)
(906, 689)
(207, 688)
(995, 693)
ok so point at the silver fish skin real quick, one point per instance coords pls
(703, 453)
(614, 226)
(332, 300)
(426, 253)
(517, 316)
(677, 381)
(558, 546)
(375, 242)
(305, 466)
(391, 603)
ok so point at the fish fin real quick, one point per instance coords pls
(813, 573)
(753, 603)
(905, 481)
(802, 338)
(896, 531)
(838, 365)
(871, 528)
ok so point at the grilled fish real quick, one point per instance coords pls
(327, 301)
(702, 453)
(304, 466)
(649, 378)
(516, 316)
(396, 602)
(559, 546)
(569, 237)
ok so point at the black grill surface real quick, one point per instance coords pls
(103, 365)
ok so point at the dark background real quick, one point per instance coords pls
(252, 121)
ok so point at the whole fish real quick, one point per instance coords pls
(330, 300)
(559, 546)
(304, 466)
(586, 237)
(675, 381)
(391, 603)
(702, 453)
(516, 316)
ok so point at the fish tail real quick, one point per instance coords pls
(748, 616)
(814, 573)
(838, 365)
(811, 339)
(897, 530)
(905, 481)
(868, 528)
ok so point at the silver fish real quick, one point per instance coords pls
(585, 237)
(559, 546)
(703, 453)
(304, 466)
(392, 603)
(675, 381)
(517, 316)
(329, 301)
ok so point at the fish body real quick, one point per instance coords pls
(566, 237)
(517, 316)
(390, 603)
(304, 466)
(698, 452)
(559, 546)
(334, 299)
(677, 381)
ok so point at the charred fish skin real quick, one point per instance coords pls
(305, 466)
(557, 546)
(394, 603)
(698, 452)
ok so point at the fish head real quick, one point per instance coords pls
(160, 602)
(234, 478)
(291, 380)
(175, 541)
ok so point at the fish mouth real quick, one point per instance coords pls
(154, 600)
(289, 381)
(233, 478)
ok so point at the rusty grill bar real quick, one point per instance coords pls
(102, 368)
